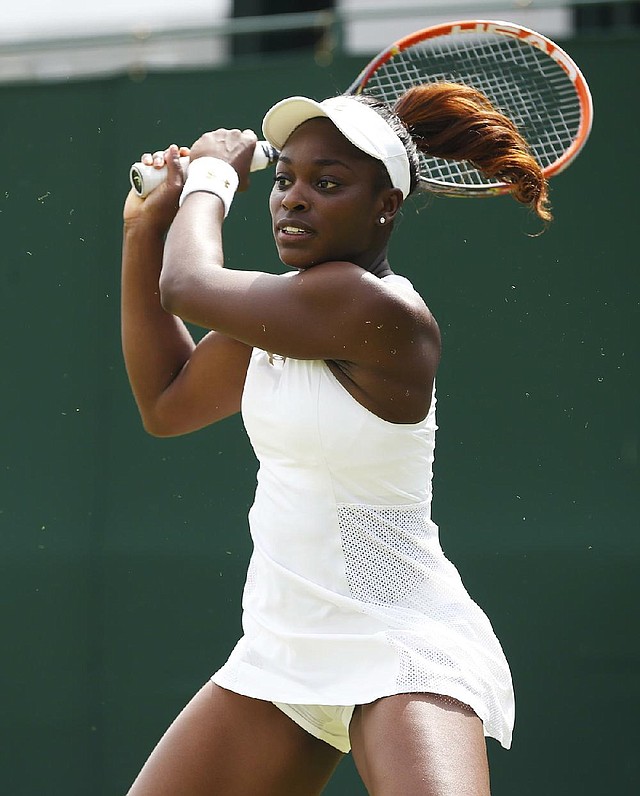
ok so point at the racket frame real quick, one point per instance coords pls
(500, 28)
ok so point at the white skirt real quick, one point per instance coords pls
(401, 621)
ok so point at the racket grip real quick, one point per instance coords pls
(145, 179)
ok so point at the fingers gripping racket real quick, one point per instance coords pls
(145, 178)
(524, 74)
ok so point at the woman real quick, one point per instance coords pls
(358, 633)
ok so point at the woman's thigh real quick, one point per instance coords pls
(422, 744)
(225, 744)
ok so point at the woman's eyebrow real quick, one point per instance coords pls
(318, 162)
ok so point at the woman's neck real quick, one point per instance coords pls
(380, 266)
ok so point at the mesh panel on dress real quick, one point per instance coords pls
(426, 667)
(390, 553)
(397, 571)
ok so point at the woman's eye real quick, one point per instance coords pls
(325, 183)
(280, 181)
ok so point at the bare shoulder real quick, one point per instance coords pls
(348, 283)
(407, 313)
(384, 308)
(405, 299)
(387, 342)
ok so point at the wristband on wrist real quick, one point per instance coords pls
(211, 175)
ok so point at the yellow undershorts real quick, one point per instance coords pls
(329, 723)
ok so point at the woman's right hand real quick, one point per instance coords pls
(159, 208)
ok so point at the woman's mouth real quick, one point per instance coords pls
(288, 230)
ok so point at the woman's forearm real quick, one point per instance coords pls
(193, 256)
(155, 343)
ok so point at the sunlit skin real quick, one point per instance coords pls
(329, 193)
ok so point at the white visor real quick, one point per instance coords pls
(359, 123)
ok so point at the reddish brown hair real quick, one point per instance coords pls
(457, 122)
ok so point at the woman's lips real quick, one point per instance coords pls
(293, 232)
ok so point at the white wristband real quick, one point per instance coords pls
(213, 176)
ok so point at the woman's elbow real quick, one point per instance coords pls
(158, 423)
(171, 295)
(155, 428)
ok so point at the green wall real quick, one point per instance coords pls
(122, 556)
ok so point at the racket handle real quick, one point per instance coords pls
(145, 178)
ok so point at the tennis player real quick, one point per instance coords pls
(358, 633)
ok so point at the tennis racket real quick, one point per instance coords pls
(524, 74)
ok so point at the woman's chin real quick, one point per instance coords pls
(299, 263)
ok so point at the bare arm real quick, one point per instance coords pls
(178, 386)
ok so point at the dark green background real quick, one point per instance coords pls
(123, 556)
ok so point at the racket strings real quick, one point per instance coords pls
(521, 81)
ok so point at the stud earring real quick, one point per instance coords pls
(382, 220)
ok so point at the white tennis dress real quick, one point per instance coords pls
(349, 596)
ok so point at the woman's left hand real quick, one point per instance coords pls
(236, 147)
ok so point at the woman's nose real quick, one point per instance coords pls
(294, 200)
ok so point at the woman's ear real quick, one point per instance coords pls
(390, 202)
